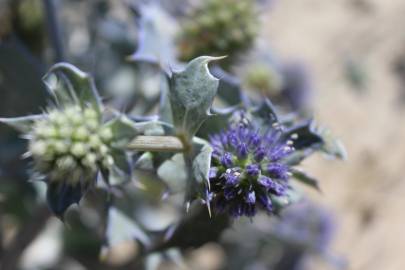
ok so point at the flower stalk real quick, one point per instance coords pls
(156, 144)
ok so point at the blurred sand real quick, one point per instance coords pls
(367, 192)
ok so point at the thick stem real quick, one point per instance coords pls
(156, 144)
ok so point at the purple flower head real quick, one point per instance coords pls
(250, 169)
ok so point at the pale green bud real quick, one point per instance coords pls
(95, 141)
(65, 131)
(66, 163)
(106, 134)
(81, 133)
(103, 150)
(90, 114)
(38, 148)
(92, 124)
(60, 147)
(51, 132)
(78, 149)
(90, 160)
(108, 161)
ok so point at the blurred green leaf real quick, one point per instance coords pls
(72, 86)
(192, 92)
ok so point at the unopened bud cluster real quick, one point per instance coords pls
(219, 27)
(71, 144)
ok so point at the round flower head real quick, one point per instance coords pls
(70, 145)
(219, 27)
(247, 170)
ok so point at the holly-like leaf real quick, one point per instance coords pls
(173, 173)
(123, 129)
(332, 146)
(156, 37)
(71, 85)
(120, 228)
(192, 92)
(198, 163)
(22, 124)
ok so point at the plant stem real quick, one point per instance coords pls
(156, 144)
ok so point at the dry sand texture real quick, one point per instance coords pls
(367, 192)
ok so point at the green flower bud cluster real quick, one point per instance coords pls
(263, 78)
(219, 27)
(71, 144)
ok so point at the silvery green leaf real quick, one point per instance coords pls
(23, 123)
(157, 31)
(200, 163)
(192, 92)
(165, 110)
(123, 129)
(173, 173)
(305, 178)
(68, 85)
(120, 228)
(121, 171)
(151, 128)
(332, 146)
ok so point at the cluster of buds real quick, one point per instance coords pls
(71, 144)
(219, 27)
(248, 170)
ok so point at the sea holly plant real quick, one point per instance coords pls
(225, 164)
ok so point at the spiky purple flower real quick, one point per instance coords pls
(248, 169)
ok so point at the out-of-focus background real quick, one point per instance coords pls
(355, 52)
(367, 191)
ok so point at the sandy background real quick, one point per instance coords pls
(367, 192)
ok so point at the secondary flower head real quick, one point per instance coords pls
(219, 27)
(70, 145)
(247, 169)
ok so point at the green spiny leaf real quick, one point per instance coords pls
(192, 92)
(72, 86)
